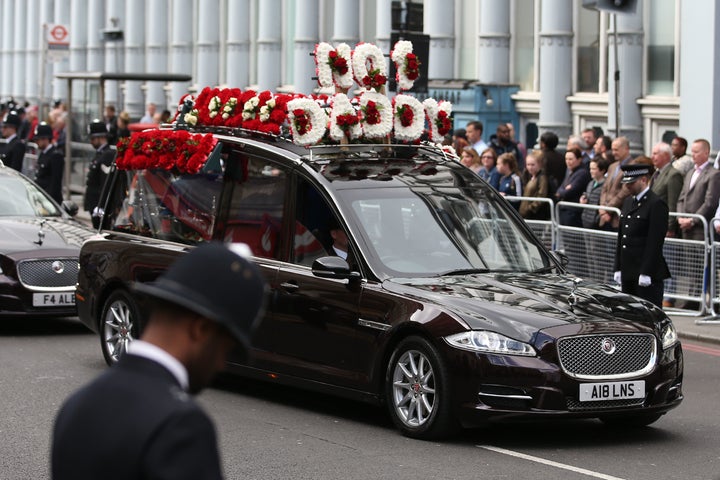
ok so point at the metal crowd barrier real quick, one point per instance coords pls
(544, 229)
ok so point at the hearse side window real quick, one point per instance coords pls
(255, 216)
(313, 220)
(164, 205)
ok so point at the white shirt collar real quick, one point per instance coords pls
(340, 253)
(157, 354)
(642, 194)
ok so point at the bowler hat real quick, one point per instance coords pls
(634, 171)
(97, 129)
(43, 130)
(217, 283)
(12, 119)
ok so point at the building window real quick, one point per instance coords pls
(523, 39)
(661, 47)
(587, 37)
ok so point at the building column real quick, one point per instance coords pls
(135, 56)
(32, 65)
(45, 77)
(699, 69)
(237, 50)
(115, 51)
(439, 23)
(383, 25)
(630, 59)
(306, 36)
(181, 58)
(208, 45)
(78, 35)
(493, 54)
(61, 16)
(269, 44)
(18, 71)
(95, 25)
(157, 51)
(556, 40)
(346, 25)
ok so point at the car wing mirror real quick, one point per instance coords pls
(561, 258)
(333, 267)
(70, 207)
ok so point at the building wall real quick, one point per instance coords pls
(558, 55)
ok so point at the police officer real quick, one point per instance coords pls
(640, 267)
(98, 170)
(13, 152)
(51, 163)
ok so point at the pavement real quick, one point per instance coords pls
(694, 328)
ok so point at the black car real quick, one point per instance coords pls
(447, 308)
(39, 248)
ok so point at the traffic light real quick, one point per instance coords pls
(612, 6)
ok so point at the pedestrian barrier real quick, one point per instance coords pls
(544, 229)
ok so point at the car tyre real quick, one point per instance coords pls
(631, 421)
(417, 391)
(118, 325)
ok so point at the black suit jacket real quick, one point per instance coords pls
(13, 153)
(97, 174)
(639, 249)
(134, 421)
(50, 170)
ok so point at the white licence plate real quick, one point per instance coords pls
(594, 392)
(55, 299)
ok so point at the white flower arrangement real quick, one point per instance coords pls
(344, 120)
(409, 117)
(229, 107)
(250, 108)
(333, 65)
(399, 55)
(438, 113)
(214, 106)
(376, 75)
(191, 118)
(308, 122)
(377, 114)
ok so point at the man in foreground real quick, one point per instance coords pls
(138, 420)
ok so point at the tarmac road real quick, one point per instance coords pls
(272, 432)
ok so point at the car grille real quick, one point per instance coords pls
(625, 355)
(575, 405)
(35, 274)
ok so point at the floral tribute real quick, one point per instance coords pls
(407, 65)
(333, 65)
(308, 121)
(376, 118)
(344, 121)
(374, 75)
(409, 118)
(438, 115)
(177, 150)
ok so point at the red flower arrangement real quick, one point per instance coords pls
(405, 113)
(302, 121)
(443, 122)
(372, 113)
(412, 66)
(374, 79)
(177, 150)
(337, 63)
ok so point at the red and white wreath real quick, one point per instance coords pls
(376, 119)
(308, 121)
(438, 114)
(374, 76)
(333, 65)
(344, 121)
(409, 118)
(407, 65)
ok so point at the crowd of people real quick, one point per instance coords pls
(593, 170)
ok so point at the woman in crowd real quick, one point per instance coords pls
(591, 196)
(471, 159)
(489, 172)
(535, 184)
(572, 188)
(510, 184)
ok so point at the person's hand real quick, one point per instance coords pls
(685, 223)
(617, 277)
(644, 281)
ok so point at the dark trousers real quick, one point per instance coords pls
(652, 293)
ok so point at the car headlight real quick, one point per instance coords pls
(669, 336)
(489, 342)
